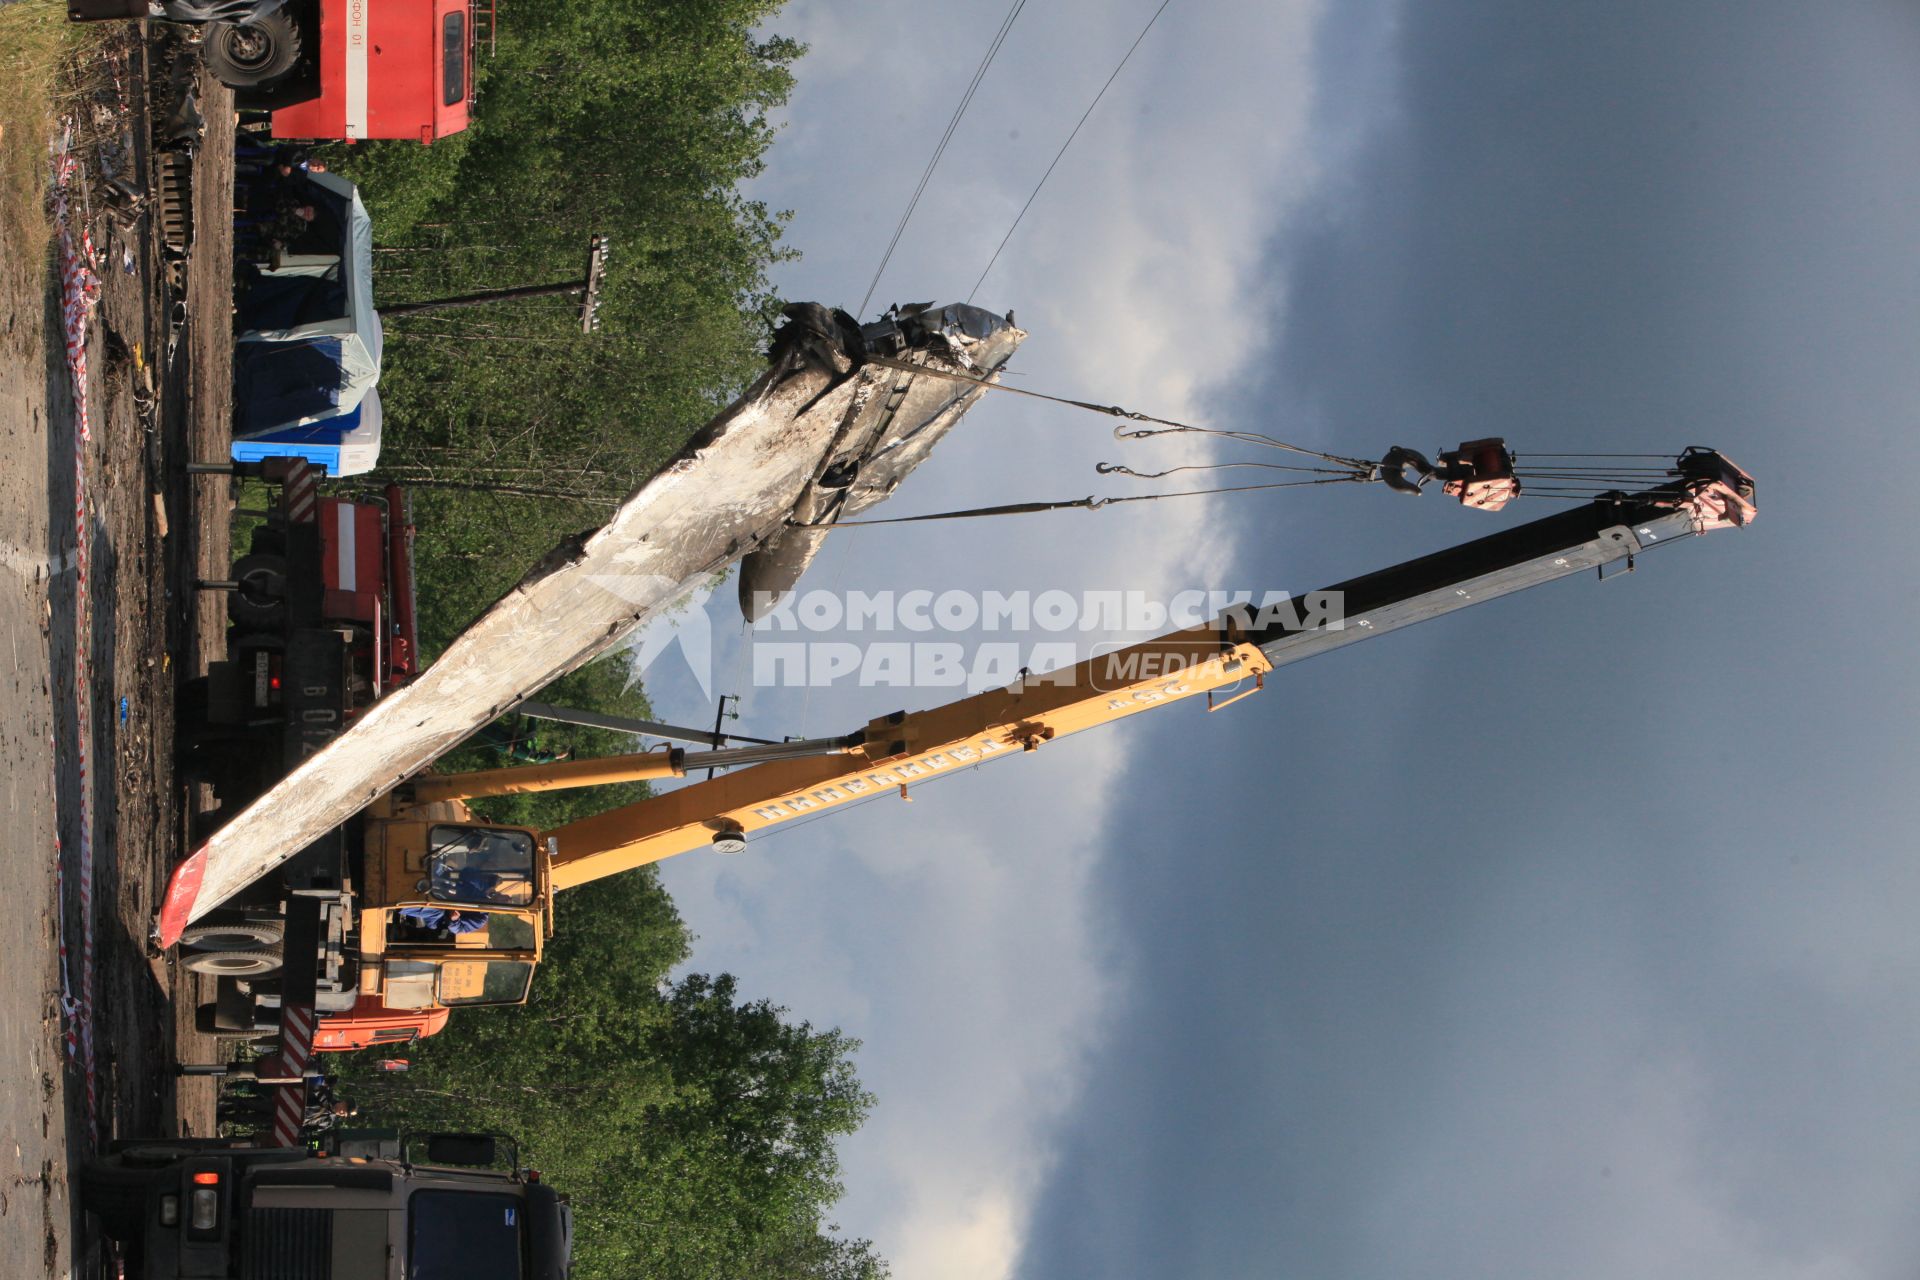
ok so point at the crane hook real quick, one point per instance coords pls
(1403, 470)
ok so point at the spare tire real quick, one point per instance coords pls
(260, 600)
(116, 1195)
(254, 54)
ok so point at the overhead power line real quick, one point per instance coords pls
(1069, 142)
(926, 176)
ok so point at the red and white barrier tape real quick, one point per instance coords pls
(79, 293)
(296, 1053)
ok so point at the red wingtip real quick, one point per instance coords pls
(176, 909)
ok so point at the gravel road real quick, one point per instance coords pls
(150, 533)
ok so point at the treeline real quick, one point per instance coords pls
(692, 1128)
(633, 119)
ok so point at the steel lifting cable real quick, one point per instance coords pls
(1118, 469)
(940, 149)
(1582, 477)
(1079, 504)
(1566, 482)
(1165, 426)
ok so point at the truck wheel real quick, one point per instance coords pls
(206, 1020)
(255, 54)
(116, 1195)
(261, 600)
(243, 962)
(190, 710)
(268, 541)
(234, 935)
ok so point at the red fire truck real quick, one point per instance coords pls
(338, 70)
(323, 625)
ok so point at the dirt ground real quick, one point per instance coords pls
(159, 393)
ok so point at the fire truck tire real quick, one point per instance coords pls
(234, 935)
(260, 602)
(253, 55)
(241, 962)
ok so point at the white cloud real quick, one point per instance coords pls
(954, 935)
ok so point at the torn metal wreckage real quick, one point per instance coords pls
(822, 434)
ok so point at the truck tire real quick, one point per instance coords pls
(234, 935)
(255, 54)
(268, 541)
(260, 602)
(117, 1196)
(206, 1020)
(241, 962)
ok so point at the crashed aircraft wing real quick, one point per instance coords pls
(731, 490)
(892, 426)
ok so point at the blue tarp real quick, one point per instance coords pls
(346, 442)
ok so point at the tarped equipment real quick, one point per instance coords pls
(729, 491)
(311, 342)
(343, 443)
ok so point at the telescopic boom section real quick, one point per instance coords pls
(1218, 662)
(643, 766)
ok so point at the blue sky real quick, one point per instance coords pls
(1572, 935)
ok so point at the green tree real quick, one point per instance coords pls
(693, 1131)
(638, 120)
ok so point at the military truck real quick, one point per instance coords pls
(364, 1206)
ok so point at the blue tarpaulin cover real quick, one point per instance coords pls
(310, 346)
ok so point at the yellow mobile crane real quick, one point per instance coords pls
(426, 859)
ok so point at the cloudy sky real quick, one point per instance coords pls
(1573, 935)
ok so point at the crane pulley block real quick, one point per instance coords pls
(1479, 473)
(1718, 494)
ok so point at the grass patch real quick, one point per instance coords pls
(39, 53)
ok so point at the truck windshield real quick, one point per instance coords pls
(480, 866)
(453, 58)
(463, 1235)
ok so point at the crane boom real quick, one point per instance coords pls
(900, 750)
(424, 855)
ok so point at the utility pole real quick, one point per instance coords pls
(589, 288)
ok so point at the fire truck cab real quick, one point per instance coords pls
(387, 69)
(331, 70)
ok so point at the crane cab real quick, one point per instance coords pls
(455, 912)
